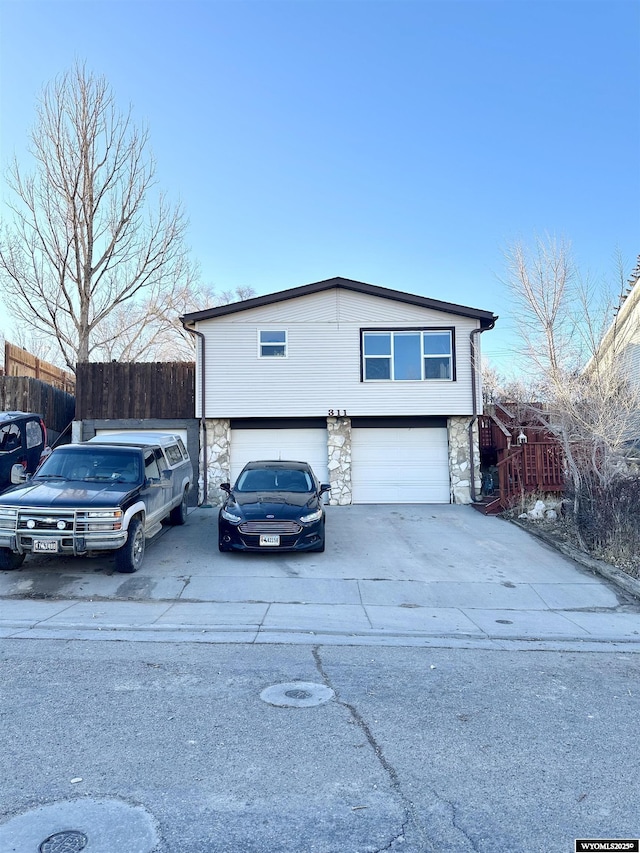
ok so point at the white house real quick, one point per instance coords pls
(621, 342)
(378, 389)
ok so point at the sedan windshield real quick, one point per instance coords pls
(274, 480)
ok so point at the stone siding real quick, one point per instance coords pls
(339, 454)
(218, 460)
(459, 467)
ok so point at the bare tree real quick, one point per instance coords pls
(83, 245)
(151, 330)
(589, 402)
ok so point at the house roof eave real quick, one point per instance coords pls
(486, 319)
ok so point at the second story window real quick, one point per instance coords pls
(272, 343)
(405, 355)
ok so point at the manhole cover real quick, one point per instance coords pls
(69, 841)
(81, 825)
(297, 694)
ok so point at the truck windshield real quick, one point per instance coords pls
(96, 465)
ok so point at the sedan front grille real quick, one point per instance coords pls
(282, 527)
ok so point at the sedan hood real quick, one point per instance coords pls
(63, 494)
(279, 504)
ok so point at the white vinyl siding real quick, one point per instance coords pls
(322, 371)
(400, 465)
(297, 445)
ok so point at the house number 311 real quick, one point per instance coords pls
(337, 413)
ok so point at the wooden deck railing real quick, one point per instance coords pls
(534, 467)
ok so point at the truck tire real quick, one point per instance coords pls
(178, 514)
(129, 557)
(10, 561)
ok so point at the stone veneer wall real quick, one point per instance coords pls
(459, 468)
(218, 460)
(339, 453)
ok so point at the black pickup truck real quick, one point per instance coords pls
(108, 494)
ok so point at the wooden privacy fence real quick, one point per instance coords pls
(527, 468)
(26, 394)
(135, 390)
(19, 362)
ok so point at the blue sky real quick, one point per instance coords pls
(404, 144)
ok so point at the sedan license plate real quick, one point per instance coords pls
(45, 546)
(270, 539)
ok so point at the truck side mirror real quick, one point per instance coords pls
(18, 474)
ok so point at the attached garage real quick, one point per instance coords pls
(400, 463)
(303, 442)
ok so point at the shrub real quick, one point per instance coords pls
(606, 519)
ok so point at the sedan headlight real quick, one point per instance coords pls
(313, 516)
(229, 516)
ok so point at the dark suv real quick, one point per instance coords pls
(108, 494)
(23, 439)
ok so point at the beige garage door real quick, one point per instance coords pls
(400, 465)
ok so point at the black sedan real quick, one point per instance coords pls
(273, 506)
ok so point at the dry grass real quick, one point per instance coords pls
(607, 527)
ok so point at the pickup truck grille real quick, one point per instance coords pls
(34, 520)
(31, 520)
(270, 527)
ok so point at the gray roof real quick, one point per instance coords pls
(487, 318)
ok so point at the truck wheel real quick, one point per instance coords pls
(129, 557)
(178, 514)
(9, 560)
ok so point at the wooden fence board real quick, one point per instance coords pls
(18, 362)
(26, 394)
(135, 390)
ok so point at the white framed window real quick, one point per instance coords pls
(272, 343)
(407, 354)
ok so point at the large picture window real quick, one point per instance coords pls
(412, 354)
(272, 344)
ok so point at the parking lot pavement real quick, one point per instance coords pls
(403, 575)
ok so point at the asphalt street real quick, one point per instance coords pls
(171, 747)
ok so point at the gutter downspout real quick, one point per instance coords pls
(203, 421)
(474, 405)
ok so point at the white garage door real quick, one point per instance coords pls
(400, 465)
(299, 445)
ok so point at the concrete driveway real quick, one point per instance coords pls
(403, 575)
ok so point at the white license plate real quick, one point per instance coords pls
(45, 546)
(270, 539)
